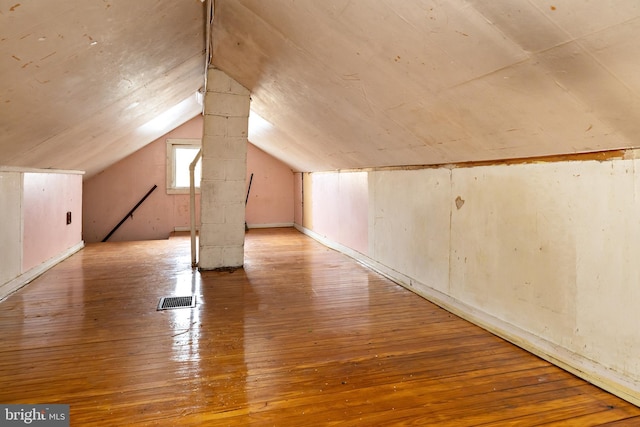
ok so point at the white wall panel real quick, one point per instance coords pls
(513, 244)
(10, 225)
(607, 223)
(410, 223)
(552, 248)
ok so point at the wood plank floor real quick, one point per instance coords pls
(301, 336)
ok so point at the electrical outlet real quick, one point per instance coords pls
(68, 218)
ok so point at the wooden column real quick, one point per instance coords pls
(224, 164)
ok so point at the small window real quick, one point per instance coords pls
(180, 154)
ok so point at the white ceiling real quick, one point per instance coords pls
(82, 81)
(365, 83)
(340, 84)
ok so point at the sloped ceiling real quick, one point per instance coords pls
(85, 83)
(370, 83)
(336, 84)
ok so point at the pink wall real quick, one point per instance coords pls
(47, 197)
(354, 199)
(109, 195)
(336, 206)
(297, 198)
(271, 197)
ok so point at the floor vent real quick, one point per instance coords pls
(168, 303)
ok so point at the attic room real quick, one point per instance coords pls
(408, 212)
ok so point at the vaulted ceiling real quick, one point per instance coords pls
(361, 83)
(85, 83)
(336, 84)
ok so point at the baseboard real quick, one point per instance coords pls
(574, 363)
(274, 225)
(25, 278)
(182, 229)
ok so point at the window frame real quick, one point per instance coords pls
(172, 144)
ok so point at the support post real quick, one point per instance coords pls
(224, 165)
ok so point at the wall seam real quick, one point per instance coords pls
(450, 251)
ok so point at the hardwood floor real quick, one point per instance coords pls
(301, 336)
